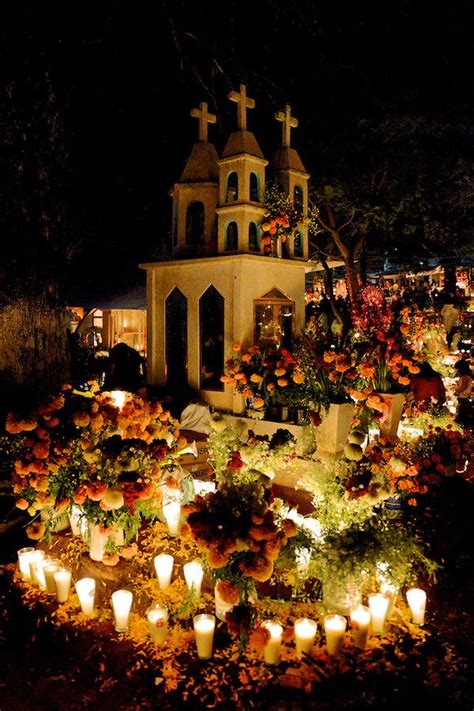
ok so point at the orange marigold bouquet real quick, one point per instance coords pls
(265, 377)
(84, 450)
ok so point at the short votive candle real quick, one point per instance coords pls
(85, 589)
(193, 574)
(360, 621)
(121, 605)
(157, 616)
(49, 569)
(334, 628)
(62, 579)
(36, 569)
(118, 396)
(25, 555)
(416, 598)
(272, 649)
(378, 605)
(172, 513)
(204, 626)
(164, 569)
(305, 632)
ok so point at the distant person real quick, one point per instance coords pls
(427, 385)
(450, 314)
(125, 369)
(463, 391)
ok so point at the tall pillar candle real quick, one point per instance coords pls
(272, 649)
(36, 570)
(378, 605)
(49, 569)
(193, 574)
(305, 632)
(204, 626)
(62, 579)
(172, 513)
(416, 599)
(360, 621)
(157, 616)
(334, 628)
(164, 569)
(121, 605)
(25, 555)
(85, 589)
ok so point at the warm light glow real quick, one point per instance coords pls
(121, 604)
(36, 569)
(193, 574)
(118, 396)
(305, 632)
(204, 626)
(202, 488)
(85, 588)
(164, 569)
(334, 628)
(157, 616)
(378, 604)
(62, 579)
(49, 570)
(172, 513)
(416, 598)
(360, 621)
(25, 555)
(272, 649)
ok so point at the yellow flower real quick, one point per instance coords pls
(36, 530)
(282, 382)
(256, 378)
(280, 371)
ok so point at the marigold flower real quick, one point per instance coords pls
(412, 501)
(236, 347)
(36, 530)
(258, 403)
(256, 378)
(81, 419)
(282, 382)
(21, 504)
(298, 377)
(280, 371)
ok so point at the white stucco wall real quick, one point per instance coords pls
(239, 279)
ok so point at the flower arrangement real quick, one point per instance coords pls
(280, 218)
(85, 450)
(265, 377)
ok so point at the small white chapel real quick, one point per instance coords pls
(221, 287)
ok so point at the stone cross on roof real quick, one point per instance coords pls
(288, 123)
(243, 103)
(205, 118)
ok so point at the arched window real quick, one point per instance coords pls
(232, 192)
(254, 189)
(176, 346)
(195, 223)
(254, 242)
(231, 237)
(298, 198)
(211, 334)
(274, 315)
(298, 244)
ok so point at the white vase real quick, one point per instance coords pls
(331, 435)
(341, 596)
(98, 541)
(222, 607)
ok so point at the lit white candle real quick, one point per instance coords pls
(49, 570)
(204, 626)
(36, 569)
(360, 621)
(378, 604)
(85, 588)
(172, 513)
(305, 632)
(164, 569)
(390, 591)
(416, 599)
(193, 574)
(272, 649)
(121, 605)
(201, 488)
(118, 396)
(25, 555)
(62, 578)
(157, 616)
(334, 628)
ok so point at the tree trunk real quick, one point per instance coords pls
(34, 356)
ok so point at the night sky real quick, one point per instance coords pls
(127, 74)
